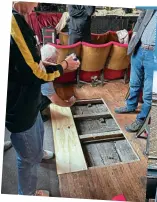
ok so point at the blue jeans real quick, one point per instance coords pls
(29, 150)
(142, 66)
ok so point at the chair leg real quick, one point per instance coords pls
(126, 78)
(102, 77)
(78, 78)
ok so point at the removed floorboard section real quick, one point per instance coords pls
(68, 150)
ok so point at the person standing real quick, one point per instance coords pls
(143, 45)
(25, 76)
(80, 23)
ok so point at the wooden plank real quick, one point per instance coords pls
(68, 151)
(108, 153)
(85, 116)
(103, 140)
(94, 158)
(111, 134)
(87, 101)
(124, 150)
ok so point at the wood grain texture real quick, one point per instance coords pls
(104, 183)
(102, 115)
(105, 135)
(68, 150)
(108, 153)
(124, 150)
(113, 94)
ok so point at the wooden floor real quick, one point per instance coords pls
(106, 182)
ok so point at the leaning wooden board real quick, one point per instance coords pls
(68, 150)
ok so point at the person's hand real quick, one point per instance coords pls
(47, 63)
(50, 61)
(71, 101)
(42, 67)
(71, 63)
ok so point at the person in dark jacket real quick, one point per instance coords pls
(80, 23)
(25, 76)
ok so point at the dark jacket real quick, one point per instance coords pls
(142, 21)
(25, 77)
(80, 19)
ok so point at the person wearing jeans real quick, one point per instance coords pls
(25, 76)
(29, 148)
(143, 45)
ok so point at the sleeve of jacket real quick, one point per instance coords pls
(90, 10)
(74, 12)
(29, 67)
(139, 20)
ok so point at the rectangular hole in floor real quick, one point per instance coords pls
(102, 140)
(107, 153)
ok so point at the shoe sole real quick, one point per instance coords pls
(131, 112)
(130, 131)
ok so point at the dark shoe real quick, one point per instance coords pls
(7, 145)
(135, 126)
(123, 110)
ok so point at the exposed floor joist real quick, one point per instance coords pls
(105, 135)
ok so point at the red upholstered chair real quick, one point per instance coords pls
(99, 38)
(64, 51)
(63, 38)
(93, 59)
(118, 62)
(112, 36)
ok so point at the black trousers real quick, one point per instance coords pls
(74, 38)
(44, 103)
